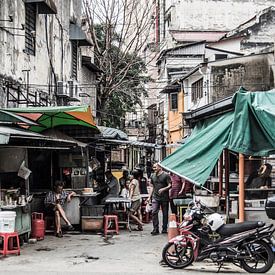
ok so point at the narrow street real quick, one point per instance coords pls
(128, 253)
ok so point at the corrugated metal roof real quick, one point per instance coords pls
(17, 132)
(7, 133)
(112, 133)
(189, 36)
(134, 143)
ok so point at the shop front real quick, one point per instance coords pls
(49, 151)
(225, 149)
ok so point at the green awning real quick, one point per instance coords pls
(9, 118)
(197, 157)
(253, 129)
(249, 129)
(51, 117)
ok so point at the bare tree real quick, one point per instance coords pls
(119, 30)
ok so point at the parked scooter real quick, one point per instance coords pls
(247, 244)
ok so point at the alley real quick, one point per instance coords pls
(127, 253)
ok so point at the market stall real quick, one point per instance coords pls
(246, 131)
(57, 150)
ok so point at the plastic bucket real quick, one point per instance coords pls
(7, 221)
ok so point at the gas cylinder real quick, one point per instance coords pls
(38, 226)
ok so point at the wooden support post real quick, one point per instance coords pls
(241, 188)
(87, 167)
(226, 174)
(221, 174)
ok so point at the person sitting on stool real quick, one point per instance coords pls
(54, 202)
(259, 180)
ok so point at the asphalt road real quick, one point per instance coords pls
(127, 253)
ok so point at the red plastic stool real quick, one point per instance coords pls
(107, 219)
(10, 243)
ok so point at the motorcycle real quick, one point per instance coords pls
(246, 244)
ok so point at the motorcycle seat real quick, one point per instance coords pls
(235, 228)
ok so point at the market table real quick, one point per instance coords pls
(115, 203)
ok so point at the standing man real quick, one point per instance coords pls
(161, 184)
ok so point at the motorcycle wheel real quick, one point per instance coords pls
(177, 256)
(262, 254)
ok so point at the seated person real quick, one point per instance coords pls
(259, 180)
(125, 192)
(123, 179)
(54, 202)
(112, 184)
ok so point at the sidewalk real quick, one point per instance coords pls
(128, 253)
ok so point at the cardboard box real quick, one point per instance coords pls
(91, 223)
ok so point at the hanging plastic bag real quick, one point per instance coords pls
(23, 171)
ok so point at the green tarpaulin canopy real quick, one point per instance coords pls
(249, 129)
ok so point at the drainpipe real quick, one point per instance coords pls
(241, 188)
(157, 24)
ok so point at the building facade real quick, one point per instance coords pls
(197, 24)
(42, 44)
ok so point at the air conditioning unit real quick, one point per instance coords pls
(73, 88)
(62, 88)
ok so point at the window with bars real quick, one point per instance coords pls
(30, 28)
(197, 90)
(74, 59)
(173, 101)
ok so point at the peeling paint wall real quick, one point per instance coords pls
(207, 15)
(213, 14)
(53, 57)
(254, 73)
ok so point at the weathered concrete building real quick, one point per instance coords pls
(215, 81)
(42, 44)
(195, 20)
(255, 35)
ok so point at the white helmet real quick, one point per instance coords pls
(215, 221)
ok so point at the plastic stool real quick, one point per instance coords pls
(10, 243)
(107, 219)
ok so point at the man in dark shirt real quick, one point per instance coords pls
(161, 184)
(112, 184)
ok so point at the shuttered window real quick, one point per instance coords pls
(74, 59)
(30, 27)
(173, 101)
(197, 90)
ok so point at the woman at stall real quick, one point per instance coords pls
(54, 203)
(134, 195)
